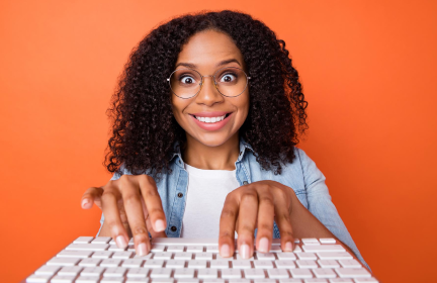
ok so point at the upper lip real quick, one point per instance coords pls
(210, 114)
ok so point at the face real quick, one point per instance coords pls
(204, 52)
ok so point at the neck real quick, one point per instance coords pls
(222, 157)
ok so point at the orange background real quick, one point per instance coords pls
(369, 73)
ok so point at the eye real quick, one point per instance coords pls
(228, 77)
(186, 79)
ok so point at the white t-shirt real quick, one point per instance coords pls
(206, 194)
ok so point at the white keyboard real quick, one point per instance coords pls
(175, 260)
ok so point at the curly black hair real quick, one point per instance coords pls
(144, 129)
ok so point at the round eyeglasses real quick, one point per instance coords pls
(186, 83)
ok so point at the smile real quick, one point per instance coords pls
(211, 119)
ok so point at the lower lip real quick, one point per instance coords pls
(212, 126)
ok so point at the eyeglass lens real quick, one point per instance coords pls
(185, 83)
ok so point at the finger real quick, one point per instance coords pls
(247, 216)
(153, 203)
(282, 218)
(90, 196)
(266, 212)
(134, 212)
(112, 216)
(228, 218)
(149, 223)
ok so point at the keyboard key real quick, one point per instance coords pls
(90, 262)
(157, 248)
(206, 256)
(162, 280)
(324, 248)
(110, 262)
(265, 256)
(87, 247)
(208, 273)
(341, 280)
(183, 256)
(41, 278)
(137, 272)
(267, 264)
(307, 263)
(265, 280)
(316, 280)
(334, 255)
(278, 273)
(188, 280)
(175, 264)
(122, 255)
(222, 264)
(212, 249)
(62, 279)
(59, 261)
(213, 281)
(160, 273)
(324, 273)
(83, 240)
(301, 273)
(114, 272)
(366, 280)
(175, 249)
(87, 279)
(287, 256)
(239, 281)
(102, 254)
(195, 249)
(162, 255)
(285, 264)
(135, 280)
(152, 263)
(101, 240)
(116, 249)
(70, 270)
(327, 240)
(112, 280)
(92, 271)
(133, 262)
(350, 263)
(184, 273)
(290, 280)
(254, 273)
(328, 263)
(307, 256)
(198, 264)
(231, 273)
(310, 241)
(244, 264)
(352, 272)
(47, 270)
(77, 254)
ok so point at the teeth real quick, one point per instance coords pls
(210, 119)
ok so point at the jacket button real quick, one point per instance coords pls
(173, 228)
(180, 195)
(245, 183)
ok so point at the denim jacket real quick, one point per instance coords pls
(301, 175)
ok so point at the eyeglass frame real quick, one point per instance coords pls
(201, 81)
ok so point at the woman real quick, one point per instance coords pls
(206, 120)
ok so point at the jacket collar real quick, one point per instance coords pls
(179, 161)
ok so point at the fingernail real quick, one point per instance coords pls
(288, 247)
(264, 245)
(141, 249)
(84, 202)
(121, 242)
(244, 251)
(224, 251)
(159, 225)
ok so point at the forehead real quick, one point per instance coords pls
(207, 48)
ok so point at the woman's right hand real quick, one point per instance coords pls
(132, 202)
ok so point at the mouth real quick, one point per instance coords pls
(211, 120)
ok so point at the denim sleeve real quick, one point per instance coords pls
(320, 204)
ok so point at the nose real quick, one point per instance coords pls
(208, 94)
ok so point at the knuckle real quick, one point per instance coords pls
(131, 198)
(249, 197)
(225, 234)
(227, 213)
(139, 230)
(266, 200)
(246, 229)
(265, 226)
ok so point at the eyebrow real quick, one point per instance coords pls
(193, 66)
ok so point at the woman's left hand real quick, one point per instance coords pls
(258, 205)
